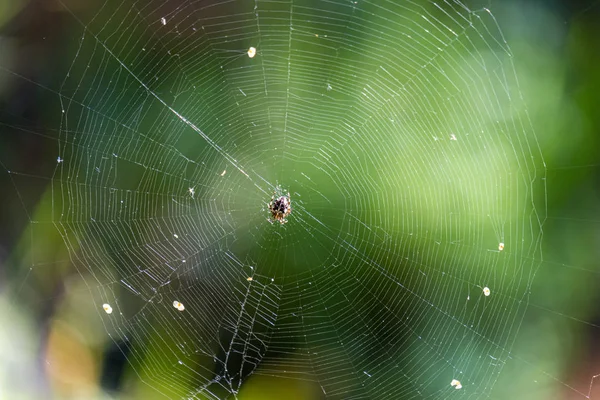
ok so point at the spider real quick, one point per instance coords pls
(280, 207)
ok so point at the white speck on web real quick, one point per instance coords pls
(456, 384)
(163, 21)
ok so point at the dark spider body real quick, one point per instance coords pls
(280, 207)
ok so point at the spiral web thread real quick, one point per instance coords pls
(397, 127)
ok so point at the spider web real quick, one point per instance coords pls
(397, 128)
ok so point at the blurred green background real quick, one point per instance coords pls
(57, 268)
